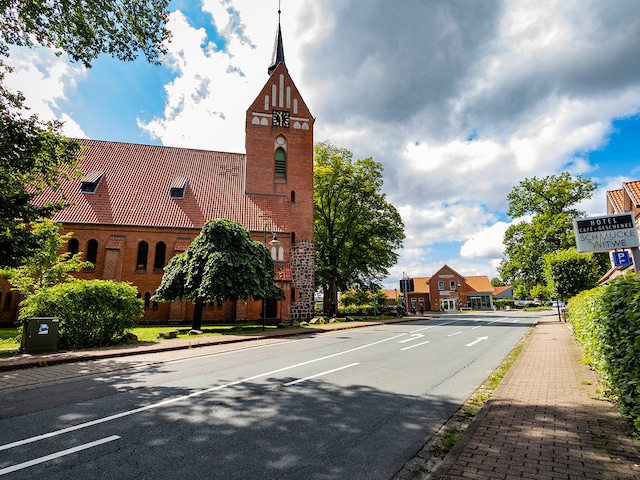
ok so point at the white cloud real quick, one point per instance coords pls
(44, 79)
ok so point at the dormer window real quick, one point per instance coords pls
(178, 187)
(91, 181)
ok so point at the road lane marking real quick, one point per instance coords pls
(53, 456)
(320, 374)
(414, 345)
(170, 401)
(477, 340)
(454, 334)
(414, 336)
(433, 326)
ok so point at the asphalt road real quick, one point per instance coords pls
(354, 404)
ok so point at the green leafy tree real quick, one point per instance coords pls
(34, 154)
(540, 292)
(46, 267)
(87, 28)
(222, 263)
(497, 282)
(550, 203)
(569, 272)
(357, 232)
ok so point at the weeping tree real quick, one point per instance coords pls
(222, 263)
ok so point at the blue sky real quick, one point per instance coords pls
(458, 100)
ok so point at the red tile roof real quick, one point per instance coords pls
(633, 188)
(135, 189)
(616, 200)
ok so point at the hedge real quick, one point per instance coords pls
(93, 313)
(606, 324)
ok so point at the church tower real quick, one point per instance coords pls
(279, 179)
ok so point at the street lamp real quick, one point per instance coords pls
(274, 242)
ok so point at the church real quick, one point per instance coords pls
(136, 206)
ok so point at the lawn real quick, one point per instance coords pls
(10, 338)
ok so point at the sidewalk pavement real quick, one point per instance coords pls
(546, 421)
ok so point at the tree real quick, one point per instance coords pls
(357, 232)
(540, 292)
(85, 29)
(497, 282)
(45, 267)
(34, 154)
(550, 202)
(222, 263)
(568, 272)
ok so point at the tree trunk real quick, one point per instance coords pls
(197, 315)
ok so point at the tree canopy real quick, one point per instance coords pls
(222, 263)
(46, 267)
(551, 204)
(568, 272)
(357, 231)
(85, 29)
(35, 154)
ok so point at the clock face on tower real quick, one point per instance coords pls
(280, 119)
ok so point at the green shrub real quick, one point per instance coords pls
(501, 303)
(606, 322)
(92, 313)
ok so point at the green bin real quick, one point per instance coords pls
(40, 335)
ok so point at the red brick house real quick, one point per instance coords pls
(447, 290)
(138, 205)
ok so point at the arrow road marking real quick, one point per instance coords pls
(414, 336)
(478, 340)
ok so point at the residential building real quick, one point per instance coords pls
(447, 290)
(622, 200)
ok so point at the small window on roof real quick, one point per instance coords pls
(91, 181)
(178, 187)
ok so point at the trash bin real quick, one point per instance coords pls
(40, 335)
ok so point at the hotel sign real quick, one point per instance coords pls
(602, 234)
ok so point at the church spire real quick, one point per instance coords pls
(278, 48)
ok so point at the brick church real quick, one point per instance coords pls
(136, 206)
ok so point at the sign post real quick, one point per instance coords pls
(611, 232)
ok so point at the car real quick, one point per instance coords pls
(557, 304)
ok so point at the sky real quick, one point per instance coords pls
(458, 100)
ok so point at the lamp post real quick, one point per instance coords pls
(274, 242)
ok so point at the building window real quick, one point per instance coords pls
(452, 285)
(293, 295)
(7, 300)
(293, 196)
(90, 182)
(441, 285)
(147, 299)
(161, 253)
(293, 237)
(73, 246)
(92, 251)
(143, 251)
(281, 163)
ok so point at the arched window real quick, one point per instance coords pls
(293, 237)
(92, 251)
(293, 295)
(293, 196)
(73, 246)
(281, 253)
(7, 300)
(143, 251)
(147, 299)
(281, 163)
(161, 251)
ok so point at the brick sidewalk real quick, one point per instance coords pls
(545, 421)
